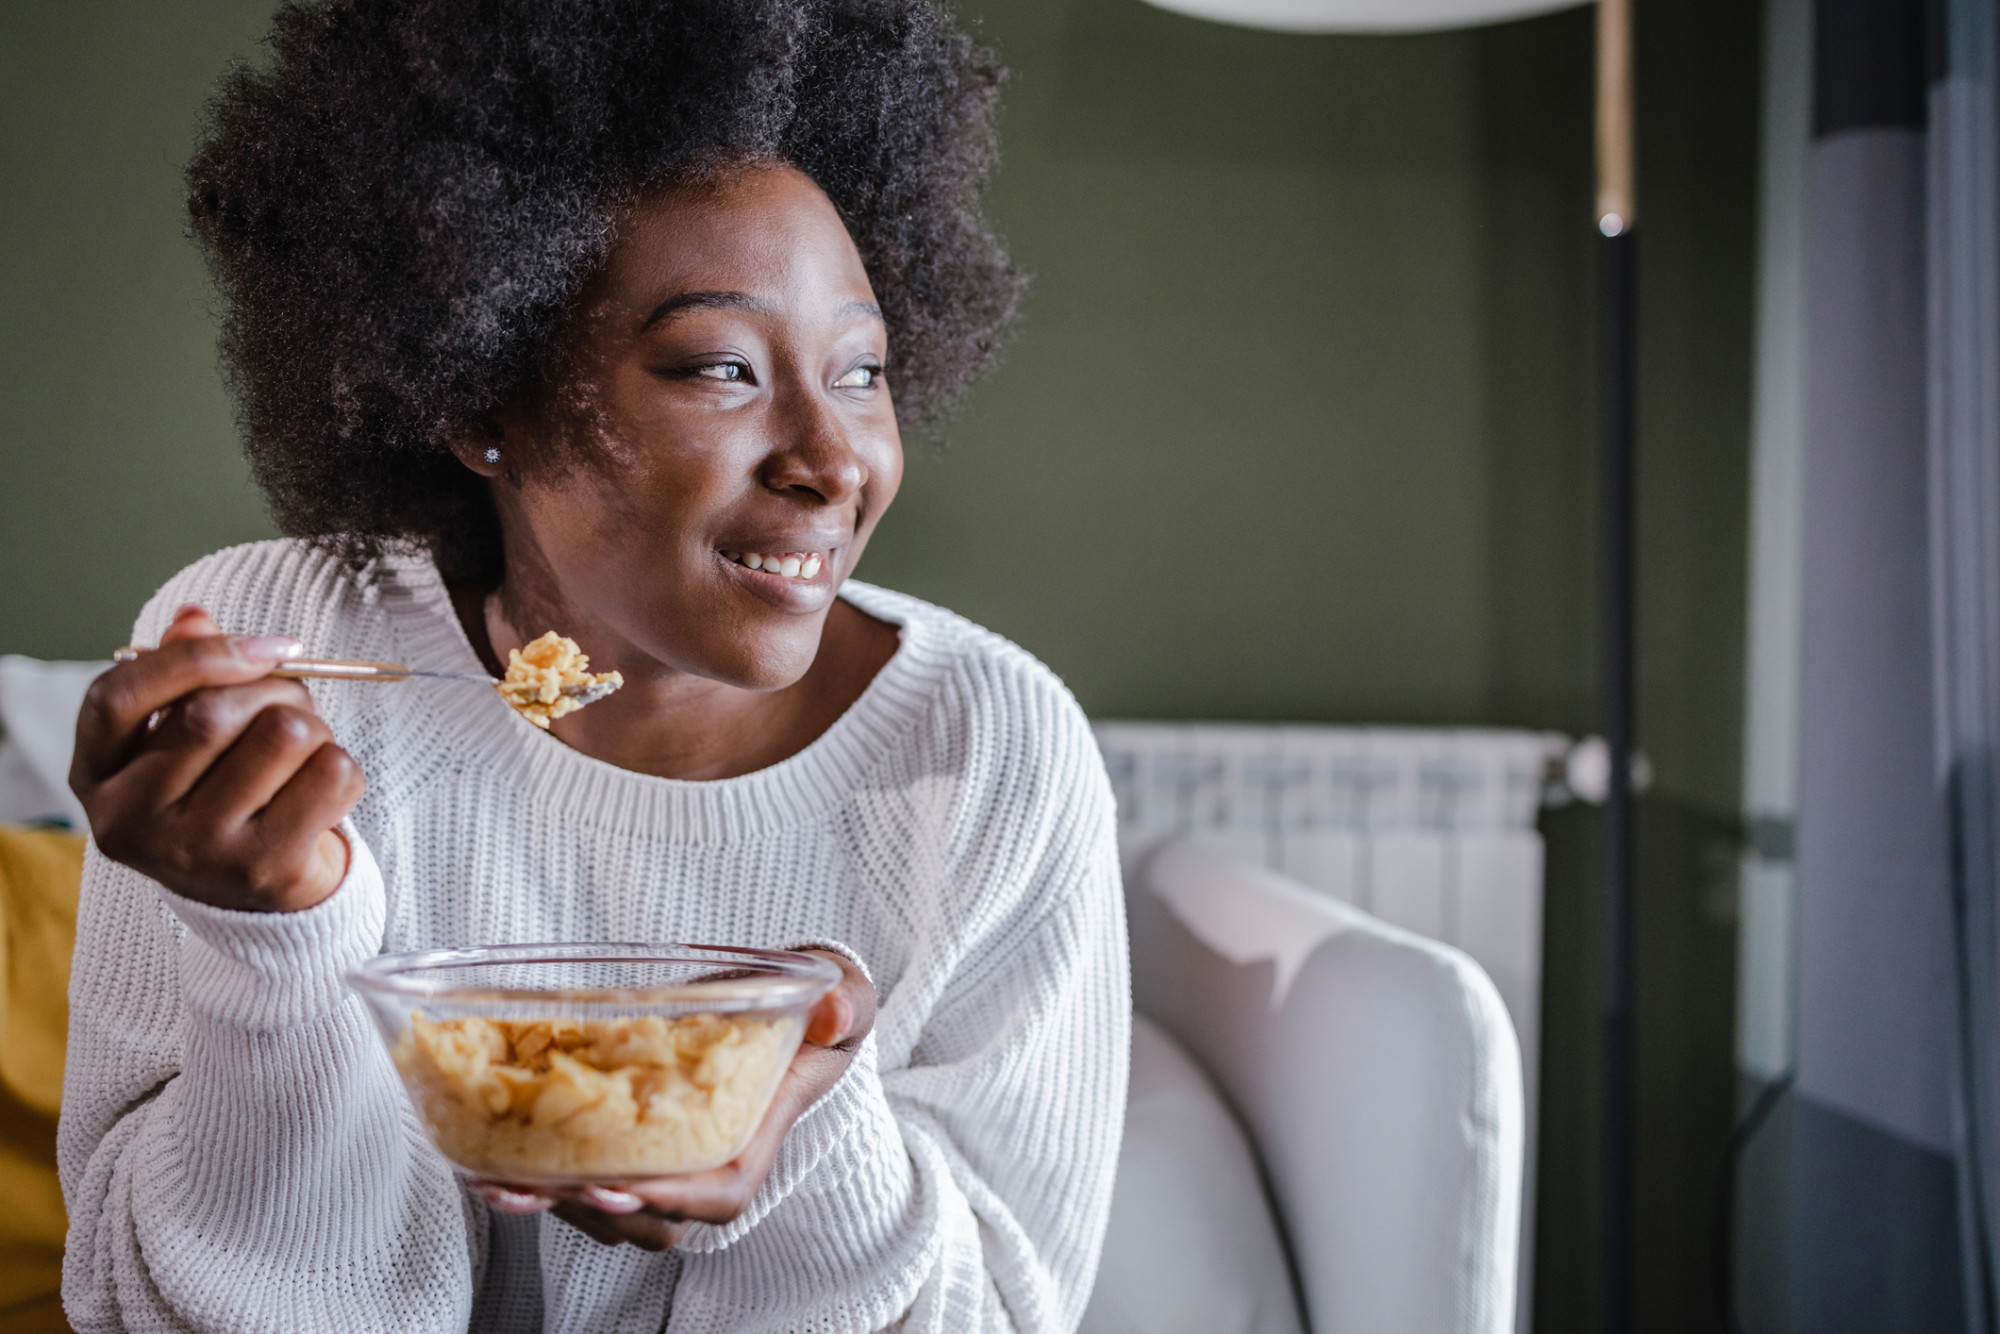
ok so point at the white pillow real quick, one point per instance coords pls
(38, 704)
(1191, 1248)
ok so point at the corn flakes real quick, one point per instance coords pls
(536, 675)
(594, 1100)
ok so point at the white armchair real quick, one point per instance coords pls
(1376, 1072)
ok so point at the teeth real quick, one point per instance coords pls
(787, 564)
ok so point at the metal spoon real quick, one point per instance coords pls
(334, 669)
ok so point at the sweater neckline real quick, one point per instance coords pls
(486, 733)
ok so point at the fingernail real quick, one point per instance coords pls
(512, 1201)
(613, 1201)
(265, 648)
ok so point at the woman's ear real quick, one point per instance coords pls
(482, 447)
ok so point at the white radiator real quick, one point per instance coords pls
(1429, 830)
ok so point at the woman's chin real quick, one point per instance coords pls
(767, 662)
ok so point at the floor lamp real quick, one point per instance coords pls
(1616, 221)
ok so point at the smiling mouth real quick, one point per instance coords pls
(801, 565)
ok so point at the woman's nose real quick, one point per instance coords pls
(814, 452)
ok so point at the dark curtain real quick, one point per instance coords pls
(1894, 1124)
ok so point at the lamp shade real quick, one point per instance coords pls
(1358, 16)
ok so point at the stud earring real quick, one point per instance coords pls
(493, 453)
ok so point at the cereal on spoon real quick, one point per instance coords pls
(537, 674)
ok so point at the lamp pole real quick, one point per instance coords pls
(1616, 222)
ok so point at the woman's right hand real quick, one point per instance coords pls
(200, 769)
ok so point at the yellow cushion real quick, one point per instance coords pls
(40, 871)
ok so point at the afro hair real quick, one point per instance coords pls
(403, 205)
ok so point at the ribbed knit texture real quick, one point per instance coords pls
(237, 1153)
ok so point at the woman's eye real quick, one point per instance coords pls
(861, 377)
(732, 372)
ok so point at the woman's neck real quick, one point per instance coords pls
(674, 724)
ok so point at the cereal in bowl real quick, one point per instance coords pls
(593, 1100)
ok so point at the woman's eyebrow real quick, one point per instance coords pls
(704, 300)
(726, 300)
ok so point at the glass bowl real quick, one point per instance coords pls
(572, 1064)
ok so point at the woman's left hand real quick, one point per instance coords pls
(655, 1214)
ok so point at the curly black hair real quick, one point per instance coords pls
(403, 205)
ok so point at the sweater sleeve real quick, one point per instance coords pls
(966, 1189)
(235, 1151)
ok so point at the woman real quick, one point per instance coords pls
(596, 316)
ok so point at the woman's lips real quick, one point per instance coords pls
(804, 565)
(792, 580)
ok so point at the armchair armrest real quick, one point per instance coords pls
(1377, 1072)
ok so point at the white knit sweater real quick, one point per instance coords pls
(237, 1153)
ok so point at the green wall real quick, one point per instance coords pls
(118, 461)
(1299, 425)
(1246, 459)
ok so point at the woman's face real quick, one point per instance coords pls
(724, 382)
